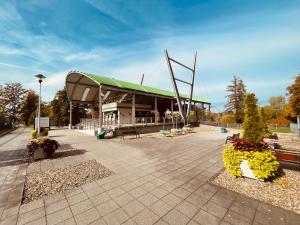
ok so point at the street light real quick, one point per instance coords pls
(40, 78)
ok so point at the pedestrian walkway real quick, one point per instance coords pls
(12, 174)
(155, 181)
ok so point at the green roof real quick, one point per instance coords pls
(137, 87)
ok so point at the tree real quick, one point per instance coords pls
(264, 125)
(12, 96)
(235, 98)
(60, 110)
(293, 92)
(252, 127)
(277, 105)
(29, 107)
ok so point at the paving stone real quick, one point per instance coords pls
(171, 200)
(175, 217)
(243, 209)
(116, 217)
(193, 222)
(74, 191)
(40, 221)
(100, 199)
(69, 221)
(8, 212)
(116, 192)
(133, 208)
(107, 207)
(54, 198)
(12, 220)
(59, 216)
(87, 217)
(32, 205)
(187, 208)
(81, 206)
(123, 199)
(168, 187)
(77, 198)
(31, 215)
(129, 186)
(148, 199)
(51, 208)
(161, 222)
(204, 217)
(159, 192)
(148, 186)
(160, 208)
(215, 209)
(182, 193)
(235, 218)
(146, 217)
(99, 222)
(130, 222)
(137, 192)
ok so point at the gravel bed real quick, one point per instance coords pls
(283, 192)
(38, 185)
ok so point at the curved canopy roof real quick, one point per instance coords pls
(84, 87)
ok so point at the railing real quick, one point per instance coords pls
(93, 124)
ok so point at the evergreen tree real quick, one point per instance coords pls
(264, 124)
(252, 127)
(235, 98)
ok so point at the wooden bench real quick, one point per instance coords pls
(234, 136)
(130, 132)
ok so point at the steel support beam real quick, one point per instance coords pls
(155, 109)
(192, 89)
(175, 87)
(100, 109)
(70, 124)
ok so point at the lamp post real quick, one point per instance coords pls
(40, 78)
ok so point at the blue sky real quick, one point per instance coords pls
(259, 41)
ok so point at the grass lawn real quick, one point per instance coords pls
(280, 129)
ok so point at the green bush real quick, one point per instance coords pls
(264, 163)
(228, 119)
(33, 134)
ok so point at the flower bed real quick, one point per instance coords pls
(260, 159)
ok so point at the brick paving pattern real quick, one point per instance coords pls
(155, 181)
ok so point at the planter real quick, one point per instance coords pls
(247, 171)
(39, 154)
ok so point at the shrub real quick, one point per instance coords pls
(263, 163)
(281, 122)
(252, 127)
(49, 146)
(228, 119)
(33, 134)
(243, 145)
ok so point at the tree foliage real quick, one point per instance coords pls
(12, 96)
(29, 107)
(264, 125)
(235, 98)
(293, 92)
(61, 110)
(252, 127)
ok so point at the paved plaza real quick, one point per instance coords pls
(155, 180)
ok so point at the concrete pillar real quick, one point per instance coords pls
(100, 110)
(155, 109)
(133, 110)
(70, 124)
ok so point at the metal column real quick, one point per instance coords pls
(100, 110)
(155, 109)
(70, 123)
(133, 110)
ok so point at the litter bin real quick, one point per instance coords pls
(101, 134)
(223, 130)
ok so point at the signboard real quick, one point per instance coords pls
(44, 122)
